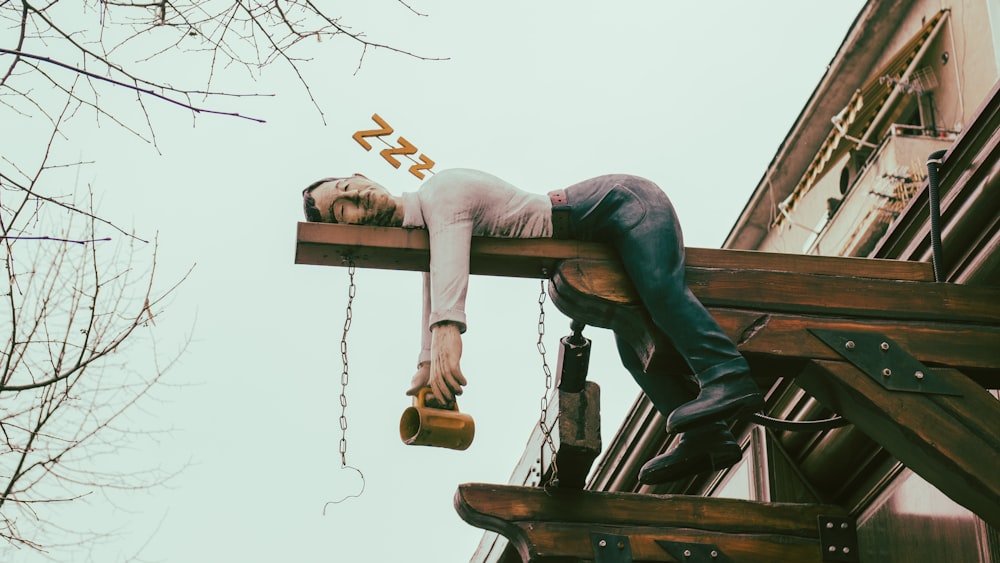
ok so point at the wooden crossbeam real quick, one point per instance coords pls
(952, 442)
(392, 248)
(555, 525)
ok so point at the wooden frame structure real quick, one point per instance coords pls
(909, 364)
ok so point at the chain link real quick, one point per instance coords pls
(344, 375)
(543, 418)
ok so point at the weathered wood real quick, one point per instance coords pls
(843, 295)
(763, 326)
(952, 442)
(780, 335)
(578, 440)
(391, 248)
(556, 524)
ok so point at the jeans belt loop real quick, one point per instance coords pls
(560, 214)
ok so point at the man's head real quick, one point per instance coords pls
(354, 200)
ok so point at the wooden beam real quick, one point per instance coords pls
(952, 442)
(327, 244)
(769, 314)
(844, 295)
(832, 286)
(780, 335)
(555, 525)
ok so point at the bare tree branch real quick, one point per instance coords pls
(134, 87)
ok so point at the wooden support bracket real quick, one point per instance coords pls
(557, 525)
(952, 442)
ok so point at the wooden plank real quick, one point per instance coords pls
(762, 330)
(578, 438)
(803, 293)
(496, 504)
(952, 442)
(546, 541)
(391, 248)
(548, 525)
(781, 335)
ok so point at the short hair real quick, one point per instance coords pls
(309, 203)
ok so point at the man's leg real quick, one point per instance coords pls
(710, 447)
(638, 219)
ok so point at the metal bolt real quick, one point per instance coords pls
(884, 346)
(843, 525)
(833, 549)
(714, 554)
(847, 550)
(621, 545)
(687, 553)
(602, 543)
(919, 375)
(886, 372)
(849, 345)
(829, 525)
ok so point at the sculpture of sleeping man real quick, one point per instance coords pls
(633, 215)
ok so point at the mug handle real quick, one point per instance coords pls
(420, 401)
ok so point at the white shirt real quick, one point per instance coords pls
(455, 205)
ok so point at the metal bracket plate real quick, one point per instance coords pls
(694, 552)
(838, 537)
(884, 361)
(609, 548)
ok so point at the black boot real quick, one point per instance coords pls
(704, 448)
(727, 390)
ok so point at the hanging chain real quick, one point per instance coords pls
(344, 378)
(344, 375)
(543, 418)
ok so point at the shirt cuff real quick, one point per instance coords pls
(453, 315)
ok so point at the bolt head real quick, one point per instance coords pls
(602, 543)
(833, 549)
(843, 525)
(884, 346)
(849, 345)
(714, 554)
(919, 374)
(886, 372)
(847, 550)
(687, 553)
(829, 525)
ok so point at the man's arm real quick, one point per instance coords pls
(446, 379)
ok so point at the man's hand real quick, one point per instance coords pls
(446, 379)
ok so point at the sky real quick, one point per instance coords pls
(695, 96)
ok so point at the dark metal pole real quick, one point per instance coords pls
(933, 164)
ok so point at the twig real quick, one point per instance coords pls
(126, 85)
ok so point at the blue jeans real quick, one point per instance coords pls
(637, 218)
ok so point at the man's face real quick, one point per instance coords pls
(355, 200)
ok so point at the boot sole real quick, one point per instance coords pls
(731, 409)
(686, 467)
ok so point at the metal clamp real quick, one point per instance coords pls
(609, 548)
(838, 538)
(886, 362)
(694, 552)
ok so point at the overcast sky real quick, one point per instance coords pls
(695, 96)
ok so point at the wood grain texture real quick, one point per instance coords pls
(408, 249)
(952, 442)
(556, 524)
